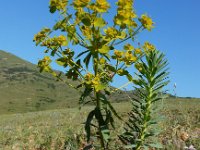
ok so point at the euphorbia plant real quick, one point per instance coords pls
(89, 48)
(151, 77)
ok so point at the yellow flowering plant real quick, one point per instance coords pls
(88, 49)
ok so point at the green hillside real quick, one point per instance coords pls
(24, 89)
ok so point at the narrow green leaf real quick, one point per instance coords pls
(88, 123)
(111, 68)
(86, 60)
(104, 49)
(80, 54)
(113, 110)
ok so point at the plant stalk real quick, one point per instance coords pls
(102, 142)
(146, 116)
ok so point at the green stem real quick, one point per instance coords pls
(98, 101)
(136, 32)
(146, 116)
(102, 142)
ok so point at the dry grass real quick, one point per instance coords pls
(63, 129)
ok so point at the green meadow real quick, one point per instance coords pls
(62, 129)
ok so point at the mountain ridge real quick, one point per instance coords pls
(16, 76)
(24, 89)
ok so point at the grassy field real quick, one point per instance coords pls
(63, 129)
(17, 96)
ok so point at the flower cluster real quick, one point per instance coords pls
(87, 31)
(80, 3)
(125, 14)
(148, 47)
(138, 51)
(146, 22)
(118, 55)
(112, 33)
(59, 5)
(128, 47)
(44, 64)
(100, 6)
(40, 36)
(93, 81)
(129, 56)
(55, 42)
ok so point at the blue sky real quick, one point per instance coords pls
(176, 33)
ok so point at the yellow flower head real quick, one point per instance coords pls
(96, 80)
(61, 40)
(100, 6)
(128, 47)
(46, 59)
(118, 54)
(102, 61)
(125, 13)
(56, 41)
(80, 3)
(148, 47)
(58, 5)
(89, 76)
(87, 32)
(41, 35)
(125, 4)
(129, 57)
(124, 17)
(44, 64)
(137, 51)
(146, 22)
(111, 32)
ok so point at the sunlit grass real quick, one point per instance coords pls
(58, 129)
